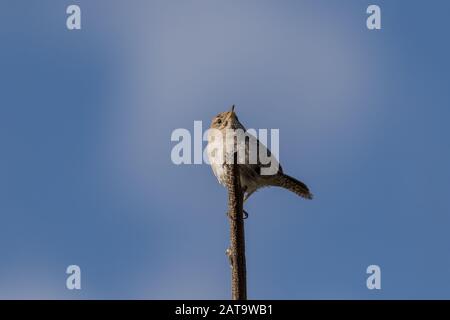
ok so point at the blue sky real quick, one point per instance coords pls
(86, 177)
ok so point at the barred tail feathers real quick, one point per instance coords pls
(284, 181)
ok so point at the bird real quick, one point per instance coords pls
(252, 176)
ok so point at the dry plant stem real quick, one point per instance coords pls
(236, 252)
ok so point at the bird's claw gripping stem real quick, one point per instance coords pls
(245, 214)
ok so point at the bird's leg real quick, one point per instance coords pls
(243, 211)
(244, 190)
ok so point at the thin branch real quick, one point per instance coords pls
(236, 252)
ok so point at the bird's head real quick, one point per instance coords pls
(226, 120)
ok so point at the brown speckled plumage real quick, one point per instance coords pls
(250, 174)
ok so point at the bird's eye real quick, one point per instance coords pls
(219, 121)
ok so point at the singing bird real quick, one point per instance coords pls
(252, 175)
